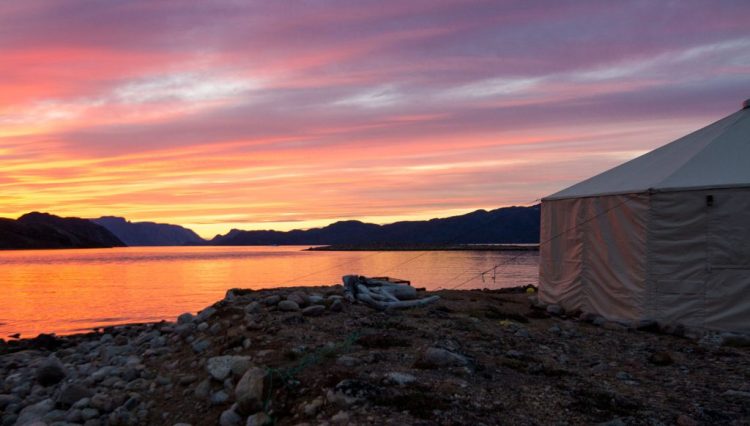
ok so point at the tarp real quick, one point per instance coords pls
(716, 156)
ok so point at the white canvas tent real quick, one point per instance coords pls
(663, 237)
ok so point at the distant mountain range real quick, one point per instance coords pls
(508, 225)
(149, 233)
(504, 225)
(45, 231)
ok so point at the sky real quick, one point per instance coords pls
(287, 115)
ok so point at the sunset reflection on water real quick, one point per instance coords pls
(68, 291)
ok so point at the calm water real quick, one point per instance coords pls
(66, 291)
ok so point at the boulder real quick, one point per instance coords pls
(50, 372)
(249, 391)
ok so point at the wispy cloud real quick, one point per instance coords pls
(264, 115)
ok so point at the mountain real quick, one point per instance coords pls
(501, 226)
(148, 233)
(45, 231)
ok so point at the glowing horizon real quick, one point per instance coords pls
(276, 116)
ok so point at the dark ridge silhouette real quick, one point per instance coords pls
(45, 231)
(508, 225)
(148, 233)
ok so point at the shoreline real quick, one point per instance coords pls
(428, 247)
(474, 356)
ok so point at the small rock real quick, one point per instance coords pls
(272, 300)
(185, 318)
(624, 376)
(201, 345)
(316, 299)
(219, 398)
(202, 326)
(313, 407)
(219, 367)
(347, 361)
(230, 418)
(436, 358)
(258, 419)
(203, 389)
(253, 308)
(340, 418)
(299, 297)
(314, 310)
(400, 379)
(72, 393)
(205, 314)
(336, 306)
(288, 306)
(35, 412)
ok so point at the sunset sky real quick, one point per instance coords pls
(281, 115)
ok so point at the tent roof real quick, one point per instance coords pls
(715, 156)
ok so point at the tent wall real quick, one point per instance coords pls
(593, 254)
(699, 259)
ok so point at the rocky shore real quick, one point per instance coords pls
(298, 356)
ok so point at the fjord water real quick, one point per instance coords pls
(69, 291)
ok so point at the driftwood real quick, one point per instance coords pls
(382, 293)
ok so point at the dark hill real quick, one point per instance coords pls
(501, 226)
(148, 233)
(45, 231)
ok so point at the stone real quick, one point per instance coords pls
(253, 308)
(624, 376)
(272, 300)
(219, 398)
(201, 345)
(6, 400)
(89, 413)
(336, 306)
(258, 419)
(215, 329)
(299, 297)
(205, 314)
(313, 407)
(230, 418)
(50, 372)
(203, 390)
(399, 379)
(72, 393)
(351, 391)
(185, 330)
(185, 318)
(340, 418)
(240, 364)
(554, 310)
(219, 367)
(35, 412)
(288, 306)
(436, 357)
(202, 326)
(347, 361)
(316, 299)
(314, 310)
(735, 340)
(102, 403)
(249, 391)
